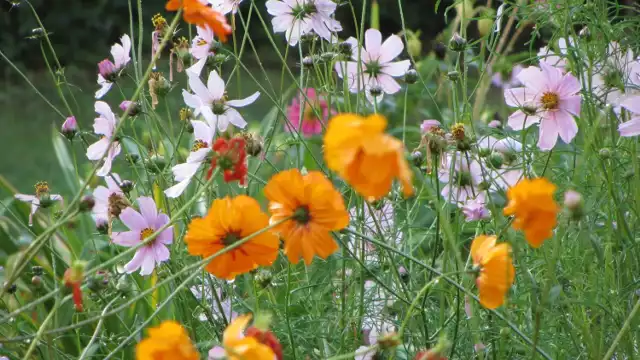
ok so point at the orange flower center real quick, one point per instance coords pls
(199, 144)
(302, 215)
(146, 233)
(550, 101)
(231, 238)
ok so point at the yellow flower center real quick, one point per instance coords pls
(457, 131)
(201, 42)
(159, 22)
(199, 144)
(42, 188)
(550, 101)
(146, 233)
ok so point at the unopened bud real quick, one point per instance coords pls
(414, 45)
(496, 160)
(345, 49)
(126, 186)
(156, 164)
(585, 33)
(411, 76)
(495, 124)
(376, 90)
(99, 281)
(37, 270)
(102, 226)
(417, 158)
(453, 75)
(485, 24)
(36, 281)
(307, 62)
(11, 289)
(134, 107)
(263, 278)
(69, 127)
(605, 153)
(87, 203)
(457, 43)
(440, 50)
(574, 204)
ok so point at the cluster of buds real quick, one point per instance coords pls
(231, 156)
(73, 278)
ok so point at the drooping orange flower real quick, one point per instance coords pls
(531, 202)
(198, 13)
(237, 346)
(362, 154)
(315, 208)
(167, 341)
(228, 221)
(496, 269)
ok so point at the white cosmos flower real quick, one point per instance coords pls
(183, 173)
(35, 202)
(225, 6)
(105, 148)
(201, 44)
(297, 18)
(210, 101)
(374, 70)
(108, 71)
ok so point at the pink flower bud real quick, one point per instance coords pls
(69, 127)
(107, 69)
(475, 210)
(428, 125)
(572, 200)
(134, 107)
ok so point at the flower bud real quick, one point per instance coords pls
(11, 289)
(453, 75)
(439, 50)
(155, 164)
(37, 270)
(414, 45)
(308, 62)
(417, 158)
(605, 153)
(69, 128)
(411, 76)
(87, 203)
(134, 107)
(123, 284)
(574, 204)
(344, 48)
(496, 160)
(132, 158)
(99, 281)
(404, 274)
(457, 43)
(126, 186)
(376, 90)
(427, 125)
(585, 33)
(263, 278)
(102, 226)
(485, 23)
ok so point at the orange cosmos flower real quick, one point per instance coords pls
(198, 13)
(496, 269)
(362, 154)
(531, 201)
(230, 220)
(167, 341)
(315, 208)
(237, 346)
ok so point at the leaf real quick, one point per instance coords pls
(65, 161)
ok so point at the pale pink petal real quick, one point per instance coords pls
(373, 43)
(113, 182)
(533, 78)
(277, 8)
(388, 84)
(632, 104)
(177, 189)
(519, 120)
(200, 89)
(26, 198)
(630, 128)
(517, 97)
(244, 102)
(191, 100)
(235, 118)
(133, 220)
(198, 156)
(137, 260)
(101, 194)
(202, 131)
(166, 236)
(548, 134)
(105, 86)
(217, 352)
(185, 170)
(567, 127)
(552, 76)
(571, 104)
(148, 209)
(103, 109)
(126, 238)
(148, 261)
(398, 68)
(390, 49)
(96, 150)
(196, 69)
(160, 251)
(569, 85)
(211, 118)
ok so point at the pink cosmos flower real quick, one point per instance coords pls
(141, 225)
(548, 98)
(297, 18)
(311, 124)
(201, 44)
(475, 209)
(225, 6)
(108, 71)
(557, 60)
(372, 69)
(462, 175)
(428, 125)
(105, 149)
(105, 197)
(617, 78)
(494, 124)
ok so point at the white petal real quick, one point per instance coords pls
(106, 86)
(105, 111)
(390, 49)
(196, 69)
(96, 150)
(185, 170)
(215, 85)
(177, 189)
(244, 102)
(235, 118)
(398, 68)
(373, 43)
(198, 156)
(192, 101)
(202, 131)
(200, 89)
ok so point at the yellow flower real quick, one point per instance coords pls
(228, 221)
(364, 156)
(531, 202)
(315, 207)
(240, 347)
(167, 341)
(496, 269)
